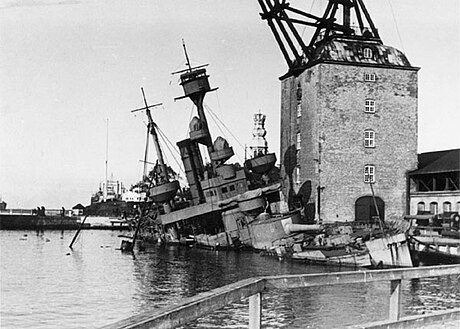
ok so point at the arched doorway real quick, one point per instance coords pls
(365, 209)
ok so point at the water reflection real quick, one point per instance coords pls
(45, 285)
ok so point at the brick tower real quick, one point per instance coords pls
(348, 114)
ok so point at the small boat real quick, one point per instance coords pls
(435, 239)
(342, 247)
(435, 250)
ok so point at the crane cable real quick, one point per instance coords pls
(305, 27)
(396, 26)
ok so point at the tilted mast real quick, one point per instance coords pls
(165, 190)
(195, 83)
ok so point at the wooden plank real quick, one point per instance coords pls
(255, 311)
(395, 299)
(440, 319)
(312, 280)
(194, 307)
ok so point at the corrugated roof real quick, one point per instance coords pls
(438, 162)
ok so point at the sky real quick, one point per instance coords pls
(71, 72)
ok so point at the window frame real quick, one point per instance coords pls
(420, 206)
(369, 105)
(446, 206)
(368, 53)
(369, 77)
(297, 175)
(369, 141)
(299, 109)
(433, 207)
(369, 174)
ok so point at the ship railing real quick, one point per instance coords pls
(198, 306)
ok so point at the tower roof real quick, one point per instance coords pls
(352, 51)
(334, 38)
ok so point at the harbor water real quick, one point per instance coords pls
(44, 284)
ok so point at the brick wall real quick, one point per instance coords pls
(332, 125)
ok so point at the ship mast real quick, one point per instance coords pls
(195, 83)
(106, 187)
(164, 190)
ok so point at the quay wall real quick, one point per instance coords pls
(34, 222)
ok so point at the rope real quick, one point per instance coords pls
(212, 113)
(214, 117)
(311, 9)
(165, 142)
(396, 25)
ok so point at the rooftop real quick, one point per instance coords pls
(360, 51)
(438, 162)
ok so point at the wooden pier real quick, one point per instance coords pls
(198, 306)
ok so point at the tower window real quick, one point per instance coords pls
(369, 77)
(299, 92)
(297, 175)
(298, 141)
(369, 138)
(299, 109)
(367, 53)
(369, 174)
(369, 106)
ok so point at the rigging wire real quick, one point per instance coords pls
(209, 110)
(189, 120)
(311, 8)
(396, 25)
(166, 141)
(214, 119)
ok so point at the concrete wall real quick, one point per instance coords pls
(332, 127)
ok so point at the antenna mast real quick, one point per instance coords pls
(186, 56)
(105, 192)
